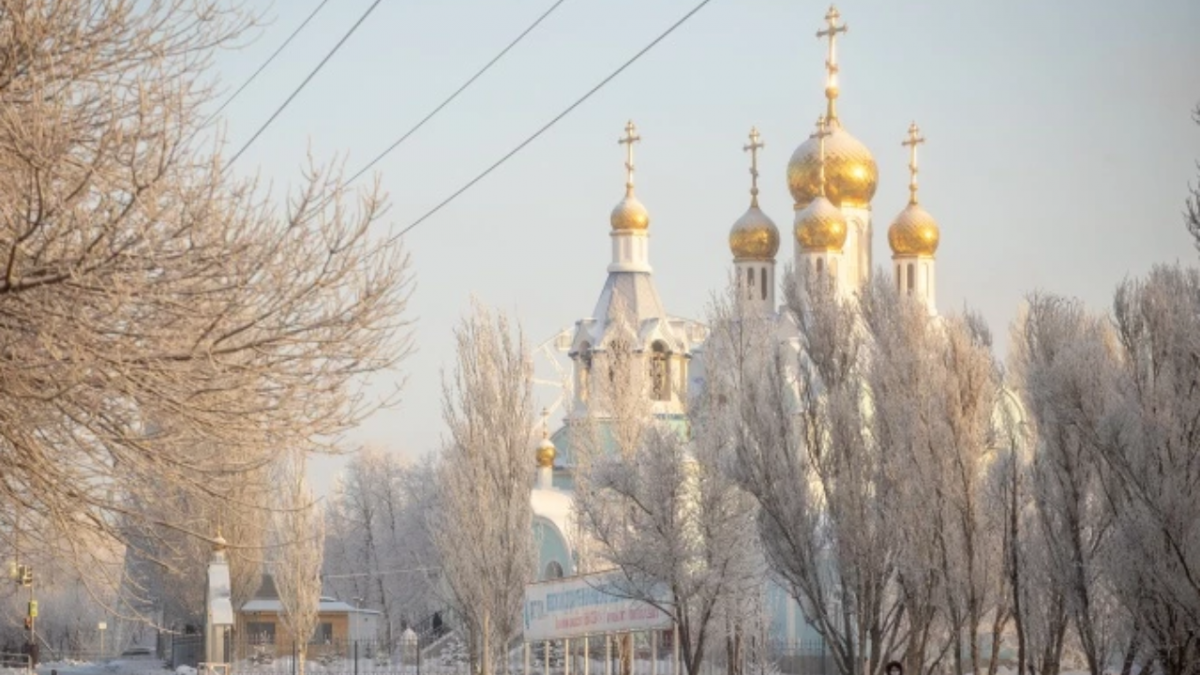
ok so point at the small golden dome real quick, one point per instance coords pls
(820, 226)
(754, 236)
(914, 233)
(851, 175)
(629, 214)
(546, 454)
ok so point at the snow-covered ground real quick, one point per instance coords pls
(126, 665)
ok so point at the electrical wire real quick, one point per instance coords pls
(266, 63)
(551, 123)
(311, 75)
(458, 91)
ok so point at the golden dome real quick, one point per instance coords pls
(546, 454)
(820, 226)
(914, 232)
(629, 214)
(851, 175)
(754, 236)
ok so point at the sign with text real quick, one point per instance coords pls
(592, 604)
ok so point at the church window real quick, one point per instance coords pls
(763, 285)
(554, 570)
(898, 282)
(820, 265)
(750, 282)
(912, 279)
(660, 372)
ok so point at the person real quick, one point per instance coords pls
(893, 668)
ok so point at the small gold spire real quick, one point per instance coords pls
(755, 145)
(831, 66)
(545, 423)
(914, 139)
(631, 137)
(821, 133)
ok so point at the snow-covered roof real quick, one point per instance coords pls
(328, 605)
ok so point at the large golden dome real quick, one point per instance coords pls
(914, 233)
(820, 226)
(754, 236)
(850, 171)
(629, 214)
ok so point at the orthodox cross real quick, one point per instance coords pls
(755, 145)
(628, 140)
(821, 133)
(914, 139)
(545, 423)
(831, 66)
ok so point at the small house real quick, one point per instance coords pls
(260, 632)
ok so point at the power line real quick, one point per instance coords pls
(267, 62)
(551, 123)
(312, 74)
(458, 91)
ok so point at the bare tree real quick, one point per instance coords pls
(166, 326)
(482, 523)
(299, 529)
(661, 508)
(377, 548)
(805, 452)
(1066, 364)
(1152, 459)
(1191, 214)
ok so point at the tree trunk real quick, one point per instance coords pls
(1002, 616)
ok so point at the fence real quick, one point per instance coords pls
(10, 662)
(446, 653)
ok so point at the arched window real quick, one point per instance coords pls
(660, 372)
(912, 278)
(554, 570)
(763, 285)
(820, 265)
(898, 284)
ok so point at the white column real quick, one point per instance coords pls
(630, 251)
(607, 654)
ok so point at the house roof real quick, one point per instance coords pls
(328, 606)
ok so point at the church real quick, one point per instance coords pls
(832, 178)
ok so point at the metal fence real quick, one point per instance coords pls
(10, 662)
(448, 654)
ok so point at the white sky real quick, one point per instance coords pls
(1059, 152)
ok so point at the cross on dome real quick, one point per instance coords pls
(631, 137)
(914, 139)
(756, 144)
(821, 133)
(831, 66)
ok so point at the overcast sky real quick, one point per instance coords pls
(1060, 145)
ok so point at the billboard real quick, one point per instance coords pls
(585, 605)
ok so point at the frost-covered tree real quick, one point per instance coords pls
(299, 534)
(661, 508)
(1152, 455)
(482, 522)
(806, 454)
(167, 324)
(1065, 362)
(377, 548)
(934, 387)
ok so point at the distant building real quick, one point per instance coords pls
(260, 630)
